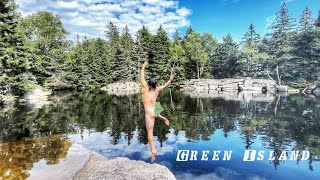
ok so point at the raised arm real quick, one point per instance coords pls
(161, 88)
(142, 78)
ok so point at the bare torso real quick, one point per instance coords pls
(149, 99)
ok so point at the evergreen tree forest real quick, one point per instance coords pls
(35, 52)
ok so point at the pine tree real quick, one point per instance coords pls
(100, 65)
(317, 24)
(142, 50)
(159, 65)
(128, 67)
(306, 21)
(253, 57)
(189, 30)
(280, 43)
(305, 68)
(113, 37)
(176, 37)
(138, 56)
(76, 65)
(210, 44)
(224, 60)
(145, 40)
(14, 55)
(82, 64)
(251, 36)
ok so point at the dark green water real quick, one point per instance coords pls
(114, 126)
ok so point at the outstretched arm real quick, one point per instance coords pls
(142, 78)
(161, 88)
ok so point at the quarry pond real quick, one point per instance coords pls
(230, 136)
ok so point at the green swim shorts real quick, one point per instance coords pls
(158, 109)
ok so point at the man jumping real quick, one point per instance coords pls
(152, 109)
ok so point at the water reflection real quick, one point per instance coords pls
(17, 158)
(114, 126)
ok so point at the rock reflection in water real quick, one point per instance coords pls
(17, 158)
(233, 95)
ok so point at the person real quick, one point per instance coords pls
(152, 108)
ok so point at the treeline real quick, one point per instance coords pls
(34, 52)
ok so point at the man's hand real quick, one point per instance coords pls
(145, 63)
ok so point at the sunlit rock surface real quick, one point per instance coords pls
(247, 84)
(81, 163)
(122, 89)
(122, 168)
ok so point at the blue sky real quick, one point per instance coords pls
(223, 16)
(219, 17)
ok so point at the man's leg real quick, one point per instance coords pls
(164, 119)
(149, 127)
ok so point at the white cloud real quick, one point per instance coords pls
(90, 17)
(183, 12)
(67, 5)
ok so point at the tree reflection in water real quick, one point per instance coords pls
(17, 158)
(279, 123)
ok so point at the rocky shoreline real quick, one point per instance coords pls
(195, 87)
(238, 85)
(229, 85)
(82, 163)
(122, 89)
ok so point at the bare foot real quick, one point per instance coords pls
(153, 155)
(166, 121)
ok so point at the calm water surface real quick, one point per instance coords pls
(114, 126)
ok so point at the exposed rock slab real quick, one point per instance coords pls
(122, 168)
(81, 163)
(246, 84)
